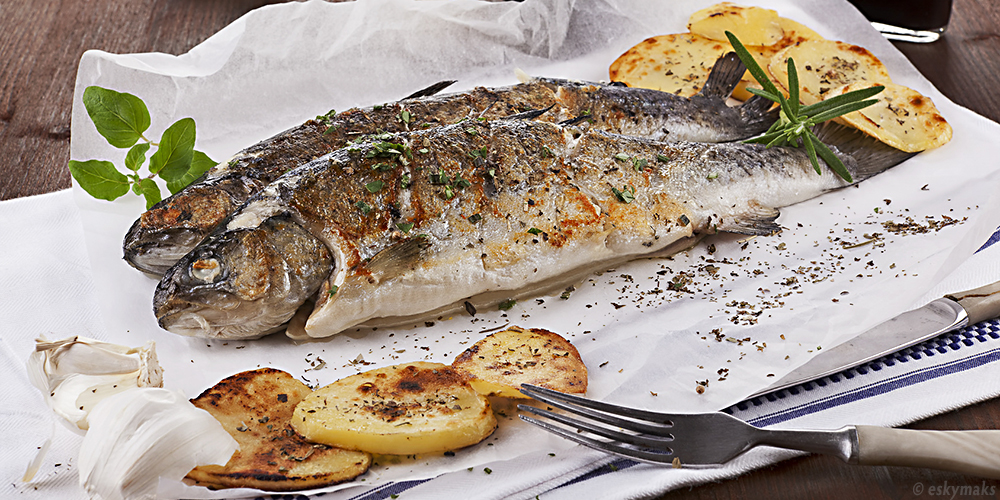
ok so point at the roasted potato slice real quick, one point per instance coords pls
(824, 65)
(404, 409)
(678, 63)
(256, 408)
(752, 25)
(902, 118)
(501, 362)
(794, 33)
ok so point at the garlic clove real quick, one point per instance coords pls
(75, 373)
(141, 434)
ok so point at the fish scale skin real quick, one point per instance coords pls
(171, 227)
(545, 198)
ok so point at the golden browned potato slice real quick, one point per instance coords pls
(752, 25)
(794, 33)
(824, 65)
(678, 63)
(256, 408)
(902, 118)
(501, 362)
(404, 409)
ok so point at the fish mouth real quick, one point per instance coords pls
(156, 251)
(245, 321)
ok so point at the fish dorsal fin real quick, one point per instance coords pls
(431, 90)
(725, 75)
(530, 114)
(757, 219)
(396, 258)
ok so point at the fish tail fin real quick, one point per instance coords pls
(870, 156)
(725, 75)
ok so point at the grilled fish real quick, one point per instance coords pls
(171, 228)
(401, 226)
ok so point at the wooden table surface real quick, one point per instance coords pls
(41, 43)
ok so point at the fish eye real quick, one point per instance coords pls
(206, 269)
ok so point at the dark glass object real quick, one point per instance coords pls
(924, 18)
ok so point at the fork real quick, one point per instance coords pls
(711, 439)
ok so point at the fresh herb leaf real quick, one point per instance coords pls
(795, 122)
(200, 163)
(150, 191)
(136, 156)
(374, 186)
(99, 178)
(172, 158)
(120, 118)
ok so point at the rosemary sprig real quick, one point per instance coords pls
(795, 122)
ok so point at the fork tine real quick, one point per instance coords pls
(605, 446)
(655, 424)
(646, 441)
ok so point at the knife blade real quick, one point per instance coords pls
(938, 317)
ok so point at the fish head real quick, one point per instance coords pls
(243, 283)
(172, 228)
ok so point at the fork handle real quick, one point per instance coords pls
(976, 453)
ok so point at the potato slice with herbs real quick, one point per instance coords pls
(678, 63)
(902, 118)
(794, 33)
(256, 407)
(501, 362)
(404, 409)
(752, 25)
(824, 65)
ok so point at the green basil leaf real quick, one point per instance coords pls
(200, 163)
(99, 178)
(150, 191)
(172, 158)
(135, 180)
(136, 156)
(121, 118)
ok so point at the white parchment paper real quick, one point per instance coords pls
(753, 310)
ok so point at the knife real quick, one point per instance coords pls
(940, 316)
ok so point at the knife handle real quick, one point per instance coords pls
(975, 453)
(981, 303)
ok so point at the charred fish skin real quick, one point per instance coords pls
(173, 226)
(237, 283)
(494, 207)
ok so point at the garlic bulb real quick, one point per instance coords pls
(76, 373)
(142, 434)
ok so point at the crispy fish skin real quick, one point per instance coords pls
(172, 227)
(497, 207)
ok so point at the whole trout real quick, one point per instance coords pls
(171, 228)
(407, 224)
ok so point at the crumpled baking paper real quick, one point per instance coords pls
(756, 308)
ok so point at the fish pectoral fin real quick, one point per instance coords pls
(757, 219)
(397, 258)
